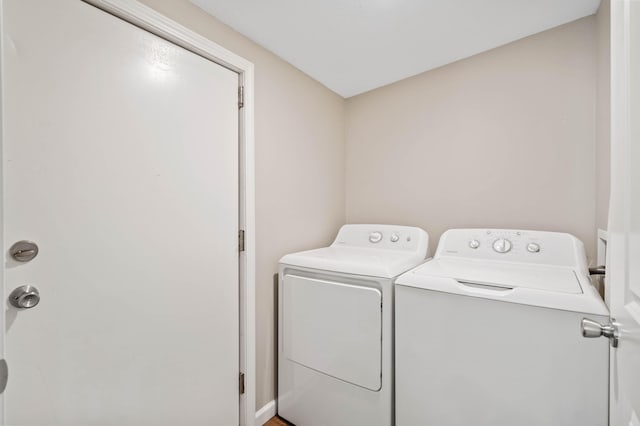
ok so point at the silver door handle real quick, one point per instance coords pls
(591, 328)
(4, 375)
(25, 297)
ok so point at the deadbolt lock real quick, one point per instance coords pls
(24, 251)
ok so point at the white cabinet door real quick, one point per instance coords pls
(623, 250)
(120, 160)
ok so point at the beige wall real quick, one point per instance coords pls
(502, 139)
(603, 113)
(299, 167)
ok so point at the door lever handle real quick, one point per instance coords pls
(591, 329)
(4, 375)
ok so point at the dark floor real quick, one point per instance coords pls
(277, 421)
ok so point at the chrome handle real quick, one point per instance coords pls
(4, 375)
(592, 329)
(24, 297)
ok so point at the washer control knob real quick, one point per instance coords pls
(395, 238)
(375, 237)
(474, 244)
(502, 245)
(533, 247)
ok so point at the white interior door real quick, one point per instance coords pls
(120, 160)
(623, 263)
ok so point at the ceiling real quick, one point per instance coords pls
(352, 46)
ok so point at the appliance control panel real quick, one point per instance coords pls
(537, 247)
(390, 237)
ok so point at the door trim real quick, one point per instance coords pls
(152, 21)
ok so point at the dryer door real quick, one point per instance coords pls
(334, 328)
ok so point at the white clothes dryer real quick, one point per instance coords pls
(335, 311)
(488, 334)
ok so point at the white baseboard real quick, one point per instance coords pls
(265, 413)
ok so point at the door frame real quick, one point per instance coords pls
(154, 22)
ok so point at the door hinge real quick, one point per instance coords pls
(241, 240)
(240, 96)
(241, 384)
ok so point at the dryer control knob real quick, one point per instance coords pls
(394, 238)
(502, 245)
(474, 244)
(533, 247)
(375, 237)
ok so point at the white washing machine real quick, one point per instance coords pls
(335, 328)
(488, 334)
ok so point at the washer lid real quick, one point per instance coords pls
(555, 287)
(505, 275)
(381, 263)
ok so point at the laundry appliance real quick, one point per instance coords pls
(335, 342)
(488, 333)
